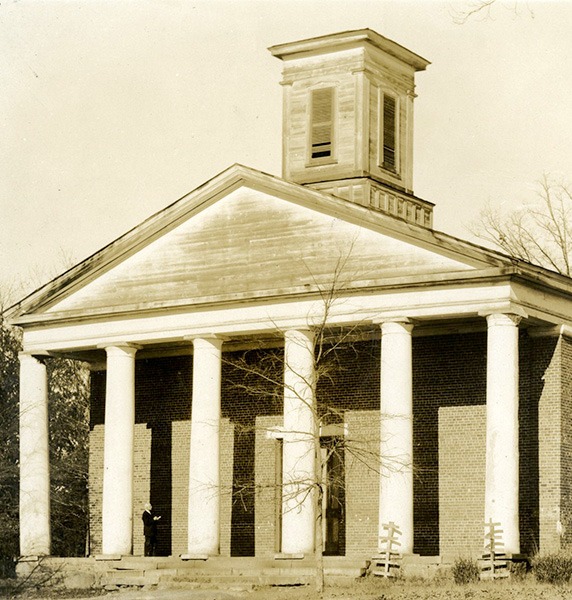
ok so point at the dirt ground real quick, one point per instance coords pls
(368, 589)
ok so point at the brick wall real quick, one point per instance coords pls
(96, 459)
(95, 488)
(142, 478)
(348, 392)
(267, 461)
(461, 480)
(530, 388)
(566, 448)
(362, 482)
(546, 390)
(449, 406)
(180, 486)
(251, 389)
(227, 500)
(449, 385)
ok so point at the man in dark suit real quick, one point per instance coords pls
(150, 530)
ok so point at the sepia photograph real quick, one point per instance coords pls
(286, 299)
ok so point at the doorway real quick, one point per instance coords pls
(333, 500)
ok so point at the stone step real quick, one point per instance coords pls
(125, 576)
(266, 570)
(137, 571)
(245, 574)
(232, 581)
(206, 585)
(236, 564)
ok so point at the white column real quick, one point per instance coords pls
(117, 511)
(396, 434)
(35, 535)
(502, 456)
(204, 463)
(300, 429)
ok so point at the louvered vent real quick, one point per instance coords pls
(389, 132)
(322, 124)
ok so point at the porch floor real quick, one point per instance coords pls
(213, 572)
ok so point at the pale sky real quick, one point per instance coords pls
(112, 110)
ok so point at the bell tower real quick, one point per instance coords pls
(348, 120)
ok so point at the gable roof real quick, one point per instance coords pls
(433, 252)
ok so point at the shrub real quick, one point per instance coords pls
(517, 570)
(553, 568)
(465, 570)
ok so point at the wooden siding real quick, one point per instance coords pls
(337, 75)
(359, 78)
(250, 242)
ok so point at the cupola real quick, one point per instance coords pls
(348, 120)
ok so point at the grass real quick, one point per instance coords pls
(553, 568)
(419, 589)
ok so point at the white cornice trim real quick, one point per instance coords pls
(416, 282)
(347, 40)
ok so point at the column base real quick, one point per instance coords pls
(26, 566)
(194, 556)
(108, 556)
(287, 556)
(31, 558)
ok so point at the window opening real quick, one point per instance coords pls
(389, 133)
(322, 123)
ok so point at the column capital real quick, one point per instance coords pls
(206, 341)
(120, 349)
(508, 309)
(398, 325)
(39, 357)
(298, 332)
(503, 319)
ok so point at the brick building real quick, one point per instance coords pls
(264, 333)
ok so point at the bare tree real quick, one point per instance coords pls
(33, 277)
(540, 232)
(9, 348)
(484, 9)
(262, 381)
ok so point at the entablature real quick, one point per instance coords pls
(428, 306)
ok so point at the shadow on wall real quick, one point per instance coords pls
(449, 373)
(449, 378)
(245, 396)
(162, 396)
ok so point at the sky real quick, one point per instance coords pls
(112, 110)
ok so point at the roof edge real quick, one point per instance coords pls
(218, 183)
(230, 179)
(347, 39)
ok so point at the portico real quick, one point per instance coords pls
(299, 425)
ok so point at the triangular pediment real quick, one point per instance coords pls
(247, 235)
